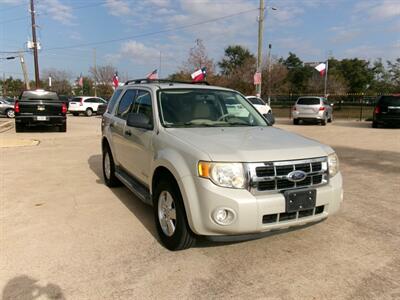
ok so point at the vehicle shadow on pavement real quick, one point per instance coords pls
(142, 211)
(27, 288)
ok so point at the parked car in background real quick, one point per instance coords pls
(260, 105)
(7, 108)
(40, 107)
(312, 108)
(387, 111)
(85, 104)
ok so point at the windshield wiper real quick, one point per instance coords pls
(199, 124)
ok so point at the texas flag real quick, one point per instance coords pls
(199, 75)
(321, 68)
(115, 80)
(153, 75)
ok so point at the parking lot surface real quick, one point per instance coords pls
(65, 235)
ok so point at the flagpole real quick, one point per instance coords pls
(159, 69)
(326, 77)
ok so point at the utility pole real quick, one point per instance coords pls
(269, 74)
(35, 46)
(260, 37)
(95, 72)
(24, 70)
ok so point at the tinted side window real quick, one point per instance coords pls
(143, 105)
(113, 100)
(125, 104)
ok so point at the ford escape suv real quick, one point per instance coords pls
(210, 164)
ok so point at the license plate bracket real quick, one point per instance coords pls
(298, 200)
(41, 118)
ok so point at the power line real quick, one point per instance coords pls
(152, 33)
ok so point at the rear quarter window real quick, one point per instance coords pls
(308, 101)
(113, 100)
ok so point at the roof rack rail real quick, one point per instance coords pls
(146, 80)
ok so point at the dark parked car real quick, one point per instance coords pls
(101, 109)
(40, 107)
(387, 111)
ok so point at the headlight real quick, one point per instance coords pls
(333, 164)
(229, 175)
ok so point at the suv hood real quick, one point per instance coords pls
(250, 144)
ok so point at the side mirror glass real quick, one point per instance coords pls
(270, 119)
(139, 121)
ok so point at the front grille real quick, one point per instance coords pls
(273, 176)
(283, 217)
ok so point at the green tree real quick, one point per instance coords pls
(86, 90)
(235, 56)
(12, 87)
(298, 74)
(394, 71)
(357, 74)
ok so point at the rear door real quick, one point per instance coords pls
(74, 103)
(117, 127)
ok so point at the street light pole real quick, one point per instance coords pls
(260, 37)
(35, 46)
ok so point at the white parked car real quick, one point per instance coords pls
(260, 105)
(85, 104)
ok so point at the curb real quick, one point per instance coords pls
(6, 125)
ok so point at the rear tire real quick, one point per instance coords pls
(10, 113)
(19, 127)
(295, 121)
(175, 233)
(374, 124)
(63, 128)
(323, 121)
(330, 119)
(109, 169)
(89, 112)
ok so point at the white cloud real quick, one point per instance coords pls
(343, 34)
(379, 10)
(118, 7)
(137, 52)
(57, 11)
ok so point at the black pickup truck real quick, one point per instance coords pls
(40, 107)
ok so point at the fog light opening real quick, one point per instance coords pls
(223, 216)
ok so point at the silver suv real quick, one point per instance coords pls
(210, 164)
(312, 109)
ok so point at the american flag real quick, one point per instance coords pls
(153, 75)
(115, 80)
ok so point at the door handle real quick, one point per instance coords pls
(128, 132)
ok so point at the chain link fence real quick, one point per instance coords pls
(346, 106)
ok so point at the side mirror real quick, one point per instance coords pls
(139, 121)
(269, 118)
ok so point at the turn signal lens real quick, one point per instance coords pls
(204, 169)
(377, 110)
(64, 108)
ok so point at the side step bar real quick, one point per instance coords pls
(136, 187)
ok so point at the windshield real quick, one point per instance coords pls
(308, 101)
(206, 108)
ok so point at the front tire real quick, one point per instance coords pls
(109, 169)
(170, 217)
(89, 112)
(295, 121)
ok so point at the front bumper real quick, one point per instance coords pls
(250, 210)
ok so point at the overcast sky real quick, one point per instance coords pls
(130, 34)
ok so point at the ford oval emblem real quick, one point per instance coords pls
(296, 176)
